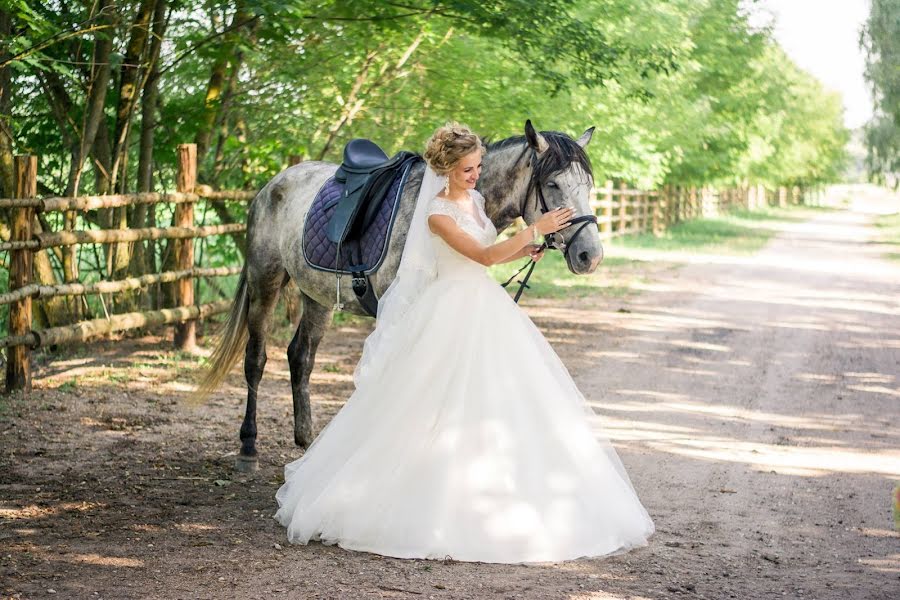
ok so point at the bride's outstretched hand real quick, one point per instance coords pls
(554, 220)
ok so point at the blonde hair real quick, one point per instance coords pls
(449, 144)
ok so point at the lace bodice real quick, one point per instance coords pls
(449, 261)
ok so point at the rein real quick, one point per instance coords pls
(550, 240)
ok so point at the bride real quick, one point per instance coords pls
(466, 436)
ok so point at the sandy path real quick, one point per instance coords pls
(754, 401)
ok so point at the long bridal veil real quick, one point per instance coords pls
(418, 267)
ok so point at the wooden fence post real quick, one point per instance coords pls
(18, 365)
(645, 212)
(679, 205)
(636, 206)
(606, 228)
(185, 181)
(659, 208)
(672, 208)
(623, 208)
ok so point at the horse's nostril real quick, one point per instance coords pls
(583, 257)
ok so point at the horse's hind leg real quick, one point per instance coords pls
(301, 358)
(263, 297)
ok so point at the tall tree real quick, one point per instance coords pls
(880, 39)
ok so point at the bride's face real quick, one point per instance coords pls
(466, 173)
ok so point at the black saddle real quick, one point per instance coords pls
(363, 155)
(367, 174)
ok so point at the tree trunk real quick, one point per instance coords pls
(141, 260)
(129, 84)
(352, 104)
(228, 56)
(102, 164)
(96, 99)
(7, 179)
(222, 125)
(50, 311)
(356, 99)
(129, 91)
(60, 105)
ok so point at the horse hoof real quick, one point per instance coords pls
(303, 439)
(246, 464)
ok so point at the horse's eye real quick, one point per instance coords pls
(552, 184)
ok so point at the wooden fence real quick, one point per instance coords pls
(23, 243)
(620, 211)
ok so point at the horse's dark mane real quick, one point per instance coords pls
(562, 152)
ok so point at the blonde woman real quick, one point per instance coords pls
(466, 436)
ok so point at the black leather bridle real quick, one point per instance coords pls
(553, 240)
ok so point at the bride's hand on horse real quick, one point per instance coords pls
(554, 220)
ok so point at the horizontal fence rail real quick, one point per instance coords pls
(24, 243)
(108, 287)
(619, 211)
(119, 200)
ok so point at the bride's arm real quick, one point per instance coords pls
(524, 252)
(508, 249)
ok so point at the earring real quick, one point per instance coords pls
(447, 189)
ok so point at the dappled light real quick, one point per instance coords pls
(754, 407)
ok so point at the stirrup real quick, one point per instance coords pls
(338, 305)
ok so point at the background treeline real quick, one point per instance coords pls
(682, 92)
(880, 40)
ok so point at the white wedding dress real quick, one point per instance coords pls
(474, 443)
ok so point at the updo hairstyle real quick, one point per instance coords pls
(449, 144)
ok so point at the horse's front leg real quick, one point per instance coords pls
(262, 304)
(301, 358)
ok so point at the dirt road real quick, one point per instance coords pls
(753, 399)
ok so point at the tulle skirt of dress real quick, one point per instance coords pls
(475, 444)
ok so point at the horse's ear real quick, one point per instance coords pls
(585, 137)
(535, 139)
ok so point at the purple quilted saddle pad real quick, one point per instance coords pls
(321, 253)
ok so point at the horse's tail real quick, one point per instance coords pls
(232, 342)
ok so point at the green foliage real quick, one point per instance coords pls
(682, 91)
(881, 41)
(889, 234)
(552, 279)
(736, 233)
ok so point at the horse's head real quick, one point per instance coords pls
(561, 176)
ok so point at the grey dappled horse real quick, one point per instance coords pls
(516, 171)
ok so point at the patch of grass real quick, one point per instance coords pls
(736, 233)
(739, 232)
(68, 386)
(342, 318)
(889, 233)
(552, 278)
